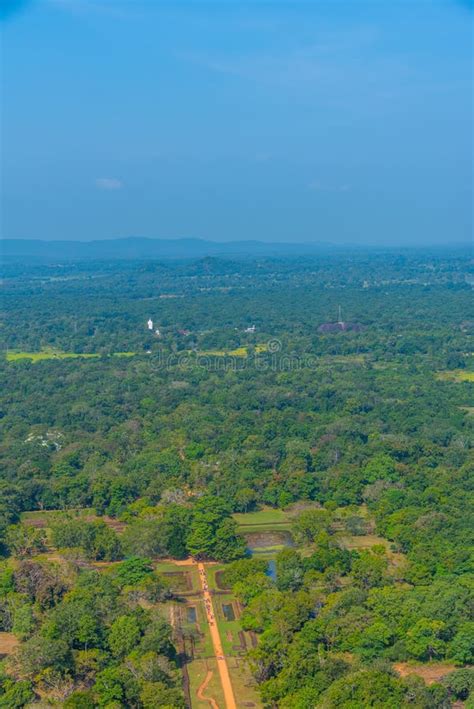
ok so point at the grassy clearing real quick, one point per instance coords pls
(244, 686)
(198, 671)
(268, 552)
(47, 354)
(267, 517)
(211, 572)
(456, 375)
(167, 567)
(228, 629)
(13, 356)
(237, 352)
(430, 672)
(43, 519)
(363, 541)
(343, 359)
(203, 647)
(367, 541)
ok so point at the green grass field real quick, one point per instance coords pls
(198, 671)
(456, 375)
(47, 354)
(211, 571)
(268, 552)
(228, 629)
(237, 352)
(267, 517)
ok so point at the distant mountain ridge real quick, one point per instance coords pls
(142, 248)
(145, 248)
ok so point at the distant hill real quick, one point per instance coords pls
(34, 250)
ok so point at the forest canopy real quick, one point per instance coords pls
(137, 445)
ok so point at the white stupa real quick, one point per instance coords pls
(150, 324)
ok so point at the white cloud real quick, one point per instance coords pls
(108, 183)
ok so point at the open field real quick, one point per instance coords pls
(204, 685)
(237, 352)
(245, 691)
(42, 519)
(265, 516)
(266, 531)
(213, 572)
(8, 642)
(367, 541)
(266, 519)
(183, 581)
(430, 672)
(363, 541)
(456, 375)
(15, 356)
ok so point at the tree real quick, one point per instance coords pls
(380, 467)
(157, 694)
(123, 636)
(460, 683)
(96, 539)
(243, 569)
(309, 524)
(424, 639)
(251, 587)
(228, 545)
(24, 621)
(157, 638)
(289, 570)
(39, 653)
(79, 700)
(40, 582)
(116, 684)
(461, 647)
(245, 499)
(375, 638)
(366, 688)
(132, 571)
(356, 525)
(22, 540)
(201, 539)
(16, 694)
(369, 570)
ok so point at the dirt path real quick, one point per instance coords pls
(202, 689)
(429, 672)
(216, 641)
(8, 642)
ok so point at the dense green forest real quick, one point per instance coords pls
(237, 400)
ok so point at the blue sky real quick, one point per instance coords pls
(345, 122)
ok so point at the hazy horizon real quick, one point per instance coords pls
(342, 123)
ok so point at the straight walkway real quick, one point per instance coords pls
(216, 641)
